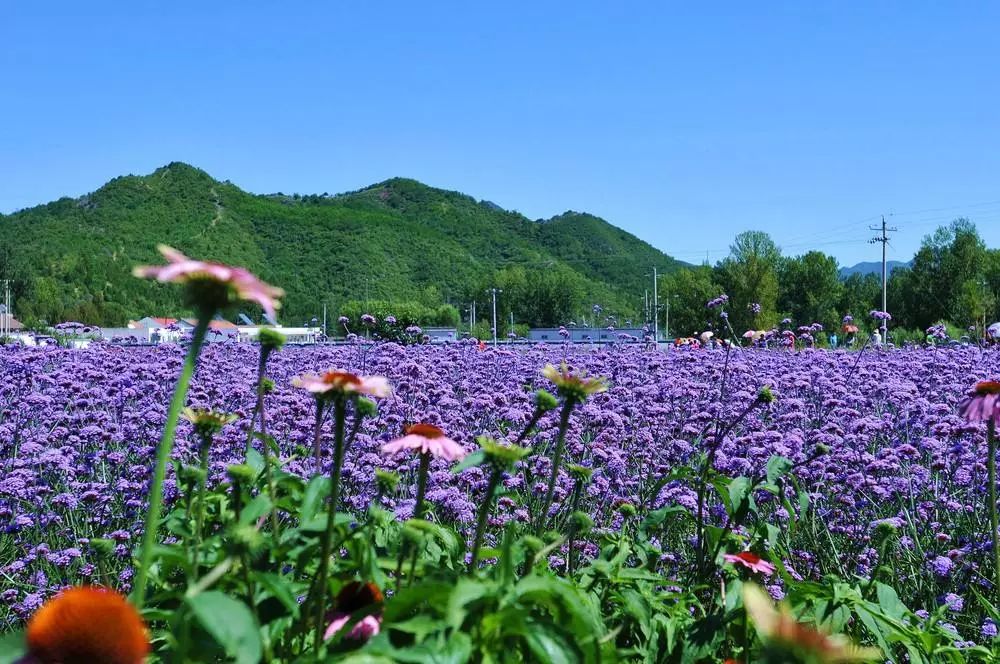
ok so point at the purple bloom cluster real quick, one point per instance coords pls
(78, 430)
(717, 302)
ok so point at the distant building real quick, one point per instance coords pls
(293, 335)
(441, 335)
(8, 322)
(173, 330)
(586, 334)
(126, 335)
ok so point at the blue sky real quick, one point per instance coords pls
(681, 124)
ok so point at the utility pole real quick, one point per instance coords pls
(645, 305)
(667, 326)
(656, 310)
(324, 319)
(511, 322)
(884, 239)
(494, 292)
(6, 323)
(472, 320)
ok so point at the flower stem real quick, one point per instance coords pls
(425, 465)
(991, 471)
(317, 435)
(152, 524)
(543, 514)
(484, 512)
(265, 445)
(339, 414)
(199, 523)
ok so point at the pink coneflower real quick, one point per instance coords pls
(236, 283)
(751, 561)
(342, 382)
(426, 439)
(983, 403)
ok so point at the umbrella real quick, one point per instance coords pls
(993, 331)
(705, 336)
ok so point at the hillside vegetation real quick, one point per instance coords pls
(397, 241)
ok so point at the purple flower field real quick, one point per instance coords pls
(79, 428)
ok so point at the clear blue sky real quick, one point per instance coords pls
(682, 125)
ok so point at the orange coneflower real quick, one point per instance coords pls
(87, 624)
(779, 628)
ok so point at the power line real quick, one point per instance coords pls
(884, 239)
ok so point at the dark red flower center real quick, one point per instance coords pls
(425, 430)
(985, 387)
(340, 378)
(357, 595)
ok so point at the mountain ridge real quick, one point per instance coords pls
(400, 239)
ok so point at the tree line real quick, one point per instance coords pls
(952, 279)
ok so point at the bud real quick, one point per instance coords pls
(582, 521)
(580, 473)
(241, 474)
(102, 547)
(244, 539)
(270, 339)
(532, 544)
(386, 481)
(500, 455)
(545, 401)
(365, 407)
(627, 510)
(191, 475)
(765, 395)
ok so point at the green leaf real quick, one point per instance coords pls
(777, 466)
(255, 509)
(548, 646)
(12, 647)
(230, 623)
(254, 458)
(477, 458)
(738, 489)
(277, 587)
(889, 601)
(466, 592)
(312, 502)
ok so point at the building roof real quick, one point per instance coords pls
(11, 322)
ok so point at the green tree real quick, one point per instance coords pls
(947, 259)
(810, 289)
(749, 275)
(687, 290)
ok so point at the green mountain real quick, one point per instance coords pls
(396, 241)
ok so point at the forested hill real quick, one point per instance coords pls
(398, 240)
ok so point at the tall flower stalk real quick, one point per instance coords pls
(573, 389)
(209, 288)
(983, 404)
(151, 529)
(428, 441)
(501, 459)
(991, 496)
(326, 544)
(206, 424)
(336, 389)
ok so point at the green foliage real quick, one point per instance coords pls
(397, 241)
